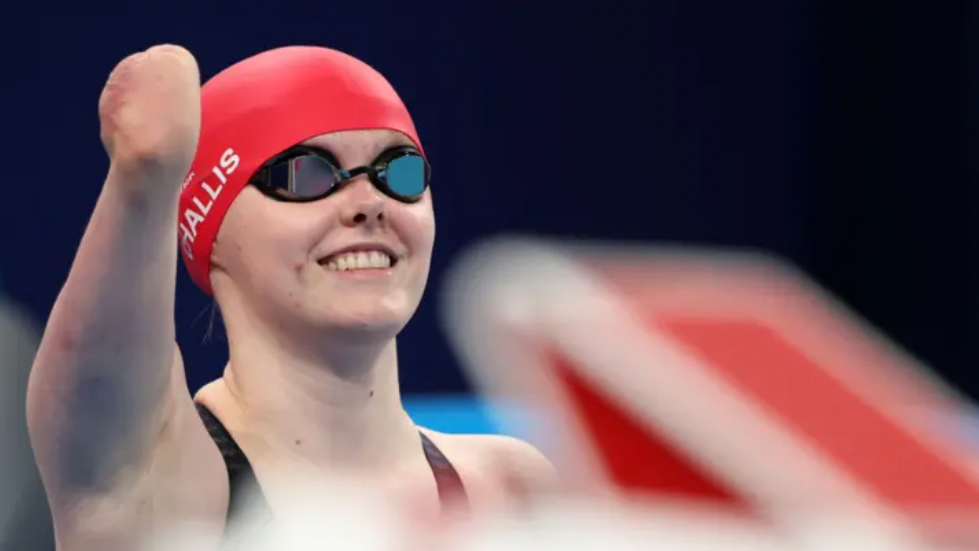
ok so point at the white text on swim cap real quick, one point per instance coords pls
(204, 199)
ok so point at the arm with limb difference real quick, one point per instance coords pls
(120, 448)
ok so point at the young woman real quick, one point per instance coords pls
(299, 192)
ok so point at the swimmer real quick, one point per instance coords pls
(297, 189)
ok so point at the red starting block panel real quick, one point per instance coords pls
(715, 377)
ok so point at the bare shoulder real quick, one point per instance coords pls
(518, 461)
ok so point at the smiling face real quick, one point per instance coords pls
(354, 260)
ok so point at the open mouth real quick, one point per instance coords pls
(373, 259)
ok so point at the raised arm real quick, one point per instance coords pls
(109, 413)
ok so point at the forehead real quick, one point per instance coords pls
(358, 145)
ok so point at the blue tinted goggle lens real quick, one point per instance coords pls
(406, 176)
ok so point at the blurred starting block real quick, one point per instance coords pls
(722, 379)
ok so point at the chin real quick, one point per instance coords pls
(371, 318)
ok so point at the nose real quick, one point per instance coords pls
(363, 205)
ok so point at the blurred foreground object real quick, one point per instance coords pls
(351, 519)
(24, 516)
(719, 378)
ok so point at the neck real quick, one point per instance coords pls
(338, 406)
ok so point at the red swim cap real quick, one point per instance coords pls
(261, 106)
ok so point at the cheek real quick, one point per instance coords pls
(417, 228)
(271, 242)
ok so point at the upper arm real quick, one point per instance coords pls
(110, 479)
(88, 427)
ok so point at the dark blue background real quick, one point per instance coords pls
(834, 133)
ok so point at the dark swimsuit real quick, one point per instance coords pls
(241, 476)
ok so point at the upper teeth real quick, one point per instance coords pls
(359, 260)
